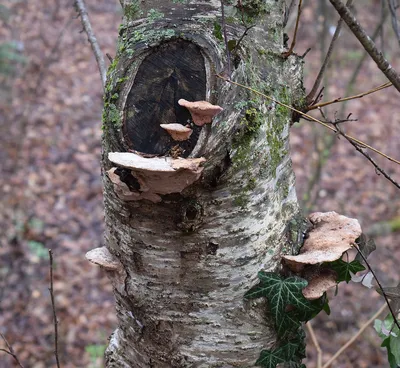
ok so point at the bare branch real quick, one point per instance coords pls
(329, 140)
(228, 54)
(392, 312)
(303, 114)
(81, 9)
(321, 73)
(369, 158)
(367, 43)
(55, 320)
(354, 338)
(288, 10)
(395, 26)
(316, 344)
(340, 99)
(10, 351)
(357, 69)
(290, 51)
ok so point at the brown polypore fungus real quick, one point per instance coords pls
(202, 111)
(178, 132)
(319, 284)
(156, 175)
(102, 257)
(332, 235)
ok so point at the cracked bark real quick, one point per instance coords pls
(189, 259)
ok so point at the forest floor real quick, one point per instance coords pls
(51, 190)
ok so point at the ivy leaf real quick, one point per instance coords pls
(393, 293)
(326, 307)
(391, 340)
(343, 269)
(315, 306)
(291, 353)
(218, 31)
(280, 292)
(366, 247)
(284, 353)
(391, 358)
(284, 294)
(231, 45)
(288, 323)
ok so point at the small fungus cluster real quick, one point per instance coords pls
(202, 112)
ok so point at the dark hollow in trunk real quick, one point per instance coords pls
(172, 71)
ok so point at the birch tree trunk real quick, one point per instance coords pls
(189, 238)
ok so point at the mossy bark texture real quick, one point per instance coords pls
(189, 258)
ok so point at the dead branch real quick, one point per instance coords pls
(395, 26)
(354, 338)
(303, 114)
(10, 351)
(321, 73)
(290, 51)
(367, 43)
(316, 344)
(329, 139)
(392, 312)
(340, 99)
(81, 9)
(357, 69)
(228, 53)
(288, 10)
(55, 320)
(378, 169)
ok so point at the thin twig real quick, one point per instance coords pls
(10, 350)
(365, 145)
(81, 9)
(243, 36)
(340, 99)
(55, 320)
(395, 26)
(288, 10)
(379, 285)
(321, 73)
(290, 51)
(330, 140)
(357, 69)
(228, 54)
(370, 159)
(316, 344)
(354, 338)
(367, 43)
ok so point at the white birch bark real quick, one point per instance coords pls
(188, 260)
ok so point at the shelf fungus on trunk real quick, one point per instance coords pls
(153, 176)
(115, 270)
(178, 132)
(331, 235)
(202, 111)
(319, 284)
(103, 258)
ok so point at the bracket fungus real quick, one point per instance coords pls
(332, 235)
(103, 258)
(319, 284)
(202, 111)
(178, 132)
(156, 176)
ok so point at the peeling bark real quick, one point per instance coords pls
(190, 257)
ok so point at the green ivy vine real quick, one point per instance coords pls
(289, 310)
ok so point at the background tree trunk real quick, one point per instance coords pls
(188, 256)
